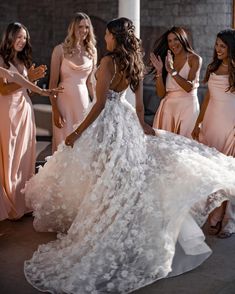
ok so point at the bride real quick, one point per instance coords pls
(122, 197)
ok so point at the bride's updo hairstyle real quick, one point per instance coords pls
(128, 50)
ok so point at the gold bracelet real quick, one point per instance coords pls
(158, 75)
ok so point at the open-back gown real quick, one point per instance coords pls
(121, 200)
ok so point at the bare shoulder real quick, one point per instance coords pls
(106, 63)
(107, 60)
(194, 58)
(106, 69)
(58, 50)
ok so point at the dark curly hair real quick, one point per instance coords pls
(228, 37)
(7, 51)
(161, 46)
(128, 51)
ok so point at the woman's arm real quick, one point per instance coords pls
(7, 87)
(104, 76)
(56, 60)
(196, 130)
(23, 82)
(148, 130)
(195, 63)
(91, 79)
(159, 84)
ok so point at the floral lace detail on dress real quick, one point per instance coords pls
(119, 199)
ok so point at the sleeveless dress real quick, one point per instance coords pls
(178, 110)
(218, 130)
(74, 100)
(17, 150)
(121, 200)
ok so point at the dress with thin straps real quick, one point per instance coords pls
(218, 130)
(74, 101)
(17, 150)
(179, 109)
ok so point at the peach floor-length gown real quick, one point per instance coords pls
(178, 110)
(218, 130)
(17, 150)
(74, 100)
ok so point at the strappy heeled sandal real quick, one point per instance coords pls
(224, 234)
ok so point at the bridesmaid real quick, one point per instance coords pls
(215, 125)
(5, 203)
(177, 69)
(72, 65)
(17, 134)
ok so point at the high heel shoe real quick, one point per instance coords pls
(224, 234)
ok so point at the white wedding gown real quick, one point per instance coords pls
(121, 200)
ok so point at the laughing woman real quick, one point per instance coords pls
(215, 125)
(177, 69)
(72, 66)
(17, 133)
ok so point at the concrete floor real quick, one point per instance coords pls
(18, 240)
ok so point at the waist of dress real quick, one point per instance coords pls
(182, 94)
(223, 100)
(72, 82)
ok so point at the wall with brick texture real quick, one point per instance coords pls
(202, 18)
(47, 21)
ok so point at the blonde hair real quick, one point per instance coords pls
(70, 40)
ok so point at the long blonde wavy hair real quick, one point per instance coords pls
(70, 40)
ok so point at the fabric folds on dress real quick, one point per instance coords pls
(120, 201)
(17, 150)
(178, 110)
(218, 130)
(74, 101)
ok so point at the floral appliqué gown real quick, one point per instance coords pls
(121, 200)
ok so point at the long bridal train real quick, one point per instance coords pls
(121, 201)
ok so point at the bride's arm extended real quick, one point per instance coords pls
(148, 130)
(104, 77)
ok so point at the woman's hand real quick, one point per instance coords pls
(169, 63)
(156, 62)
(51, 92)
(58, 118)
(70, 139)
(148, 130)
(36, 73)
(195, 133)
